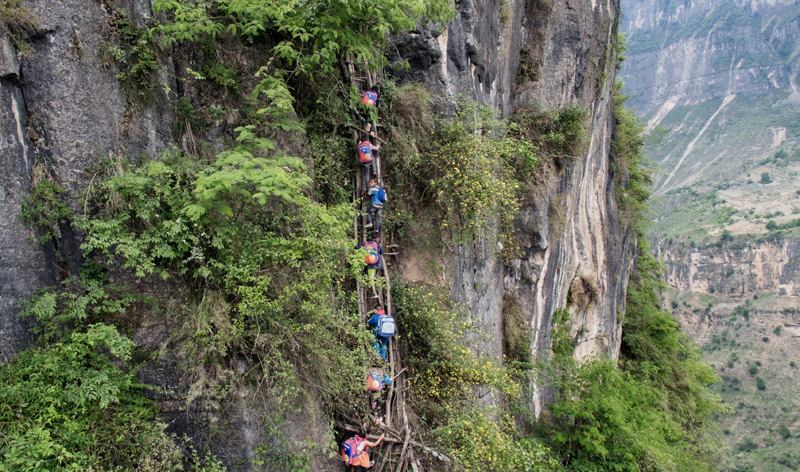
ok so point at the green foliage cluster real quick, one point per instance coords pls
(471, 166)
(479, 441)
(310, 45)
(608, 420)
(773, 226)
(46, 209)
(448, 377)
(632, 177)
(135, 55)
(243, 231)
(476, 177)
(68, 406)
(444, 371)
(79, 301)
(560, 134)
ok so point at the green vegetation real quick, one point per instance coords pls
(256, 266)
(446, 376)
(74, 403)
(18, 21)
(46, 209)
(255, 252)
(69, 407)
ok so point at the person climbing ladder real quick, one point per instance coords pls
(383, 327)
(355, 452)
(365, 154)
(377, 198)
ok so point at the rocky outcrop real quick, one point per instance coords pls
(735, 269)
(541, 56)
(63, 107)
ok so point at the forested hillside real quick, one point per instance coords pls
(716, 82)
(192, 247)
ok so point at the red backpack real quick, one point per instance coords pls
(350, 448)
(370, 98)
(364, 152)
(373, 255)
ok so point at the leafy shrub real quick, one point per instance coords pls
(134, 53)
(604, 419)
(760, 384)
(46, 209)
(752, 370)
(633, 180)
(559, 134)
(264, 266)
(479, 443)
(443, 370)
(76, 303)
(765, 178)
(747, 445)
(777, 331)
(476, 181)
(69, 407)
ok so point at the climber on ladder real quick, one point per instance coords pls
(355, 451)
(377, 196)
(373, 253)
(365, 152)
(383, 327)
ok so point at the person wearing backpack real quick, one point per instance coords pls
(383, 327)
(373, 253)
(365, 154)
(355, 451)
(377, 196)
(370, 97)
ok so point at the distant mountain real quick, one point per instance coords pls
(717, 83)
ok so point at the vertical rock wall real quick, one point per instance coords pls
(63, 109)
(543, 56)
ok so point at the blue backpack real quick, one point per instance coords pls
(386, 326)
(379, 196)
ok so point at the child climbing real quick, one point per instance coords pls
(370, 96)
(383, 327)
(355, 451)
(372, 257)
(365, 152)
(377, 196)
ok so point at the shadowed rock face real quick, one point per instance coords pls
(63, 106)
(538, 57)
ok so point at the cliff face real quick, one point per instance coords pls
(735, 270)
(535, 56)
(63, 105)
(717, 84)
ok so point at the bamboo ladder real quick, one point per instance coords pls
(398, 452)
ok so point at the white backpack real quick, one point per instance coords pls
(386, 326)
